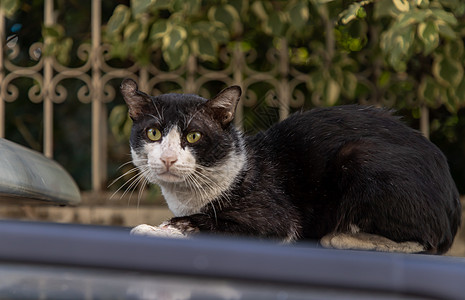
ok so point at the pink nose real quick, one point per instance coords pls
(168, 159)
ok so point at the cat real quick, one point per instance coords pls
(352, 177)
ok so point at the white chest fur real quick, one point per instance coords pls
(212, 182)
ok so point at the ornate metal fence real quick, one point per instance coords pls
(288, 84)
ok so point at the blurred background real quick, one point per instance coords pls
(61, 63)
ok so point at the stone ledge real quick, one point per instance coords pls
(95, 215)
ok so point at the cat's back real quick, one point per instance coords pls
(350, 121)
(325, 130)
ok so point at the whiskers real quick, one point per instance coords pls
(139, 177)
(206, 188)
(200, 186)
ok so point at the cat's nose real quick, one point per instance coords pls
(168, 159)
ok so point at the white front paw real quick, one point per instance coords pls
(143, 229)
(162, 230)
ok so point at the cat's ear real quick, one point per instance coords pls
(224, 104)
(137, 101)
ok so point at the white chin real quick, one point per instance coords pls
(169, 177)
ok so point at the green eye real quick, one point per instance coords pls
(153, 134)
(193, 137)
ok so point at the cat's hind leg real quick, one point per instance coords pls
(367, 241)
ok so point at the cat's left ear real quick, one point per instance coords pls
(224, 104)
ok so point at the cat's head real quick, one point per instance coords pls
(183, 139)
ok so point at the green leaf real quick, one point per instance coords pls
(220, 33)
(410, 18)
(134, 33)
(119, 122)
(356, 44)
(454, 49)
(10, 7)
(176, 56)
(244, 46)
(428, 34)
(259, 10)
(397, 46)
(191, 6)
(316, 82)
(445, 30)
(384, 79)
(118, 19)
(447, 71)
(140, 6)
(447, 17)
(53, 31)
(460, 92)
(299, 14)
(177, 5)
(215, 30)
(422, 3)
(225, 14)
(119, 49)
(174, 38)
(396, 60)
(450, 101)
(402, 5)
(349, 14)
(242, 6)
(300, 56)
(205, 48)
(201, 27)
(428, 91)
(275, 23)
(361, 13)
(332, 92)
(63, 50)
(159, 29)
(161, 4)
(349, 84)
(459, 9)
(385, 8)
(450, 3)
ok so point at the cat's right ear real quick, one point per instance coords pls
(137, 101)
(224, 104)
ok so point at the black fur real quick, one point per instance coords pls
(322, 171)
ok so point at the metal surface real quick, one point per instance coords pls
(26, 175)
(213, 260)
(51, 282)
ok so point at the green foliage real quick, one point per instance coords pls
(57, 44)
(414, 29)
(416, 38)
(119, 123)
(10, 7)
(420, 43)
(427, 29)
(178, 28)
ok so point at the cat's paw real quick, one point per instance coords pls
(163, 230)
(366, 241)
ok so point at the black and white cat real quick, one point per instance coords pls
(352, 177)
